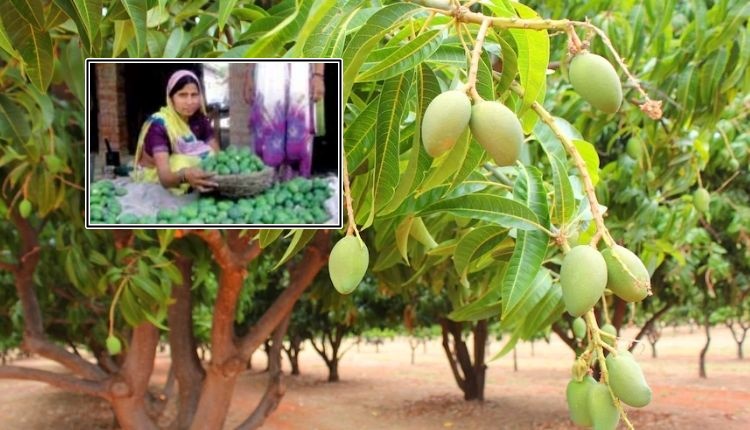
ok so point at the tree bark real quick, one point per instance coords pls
(292, 353)
(648, 326)
(739, 339)
(469, 377)
(702, 361)
(276, 388)
(187, 367)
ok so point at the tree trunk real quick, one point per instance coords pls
(739, 339)
(292, 353)
(188, 370)
(276, 389)
(471, 377)
(515, 360)
(333, 370)
(702, 363)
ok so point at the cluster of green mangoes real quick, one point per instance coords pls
(493, 125)
(590, 403)
(298, 201)
(347, 263)
(497, 128)
(585, 273)
(232, 161)
(104, 208)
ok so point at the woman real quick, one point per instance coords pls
(174, 140)
(282, 97)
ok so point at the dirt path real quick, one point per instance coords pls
(383, 391)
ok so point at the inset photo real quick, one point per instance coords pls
(214, 144)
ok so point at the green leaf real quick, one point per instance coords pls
(510, 66)
(405, 58)
(225, 9)
(369, 36)
(485, 82)
(156, 42)
(475, 243)
(319, 10)
(72, 65)
(402, 237)
(37, 54)
(509, 346)
(426, 88)
(270, 43)
(547, 311)
(359, 136)
(565, 202)
(124, 33)
(5, 42)
(13, 122)
(267, 237)
(449, 55)
(487, 207)
(137, 9)
(531, 246)
(32, 11)
(590, 157)
(301, 238)
(391, 108)
(176, 42)
(485, 307)
(55, 17)
(166, 236)
(98, 258)
(87, 15)
(515, 318)
(334, 27)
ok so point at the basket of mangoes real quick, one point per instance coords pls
(239, 172)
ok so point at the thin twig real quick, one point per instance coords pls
(475, 54)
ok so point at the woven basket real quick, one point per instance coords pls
(245, 184)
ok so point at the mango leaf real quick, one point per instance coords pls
(13, 120)
(485, 82)
(318, 11)
(487, 207)
(156, 42)
(5, 42)
(359, 136)
(124, 33)
(55, 17)
(267, 237)
(531, 246)
(473, 243)
(510, 66)
(391, 108)
(564, 201)
(402, 237)
(405, 57)
(509, 346)
(334, 26)
(301, 238)
(447, 164)
(590, 157)
(272, 41)
(176, 42)
(487, 306)
(72, 65)
(166, 236)
(87, 16)
(547, 311)
(225, 9)
(32, 11)
(426, 88)
(516, 317)
(368, 36)
(137, 10)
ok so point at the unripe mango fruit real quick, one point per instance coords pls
(583, 276)
(609, 329)
(445, 118)
(634, 150)
(627, 277)
(348, 263)
(113, 344)
(24, 208)
(579, 328)
(498, 130)
(627, 381)
(701, 200)
(577, 395)
(596, 81)
(604, 414)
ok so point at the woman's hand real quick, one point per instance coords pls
(199, 179)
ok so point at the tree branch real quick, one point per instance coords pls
(65, 382)
(647, 327)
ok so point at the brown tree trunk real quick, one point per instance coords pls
(188, 370)
(739, 339)
(469, 377)
(332, 338)
(702, 361)
(648, 326)
(292, 353)
(275, 389)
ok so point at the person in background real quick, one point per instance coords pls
(173, 140)
(282, 99)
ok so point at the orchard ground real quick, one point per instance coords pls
(382, 390)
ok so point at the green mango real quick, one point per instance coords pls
(498, 131)
(596, 81)
(579, 328)
(577, 396)
(445, 119)
(24, 208)
(583, 277)
(610, 329)
(347, 264)
(604, 414)
(702, 200)
(627, 277)
(627, 380)
(113, 344)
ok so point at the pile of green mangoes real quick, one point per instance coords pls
(497, 128)
(104, 208)
(232, 161)
(298, 201)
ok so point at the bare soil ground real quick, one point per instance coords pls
(382, 390)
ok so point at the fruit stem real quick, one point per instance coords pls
(577, 159)
(605, 308)
(351, 227)
(475, 54)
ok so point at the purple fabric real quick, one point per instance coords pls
(157, 139)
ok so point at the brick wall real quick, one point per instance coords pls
(110, 88)
(239, 135)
